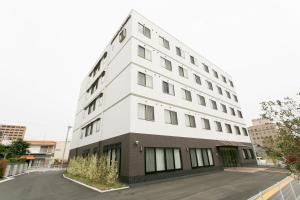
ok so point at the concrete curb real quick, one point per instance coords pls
(7, 179)
(93, 188)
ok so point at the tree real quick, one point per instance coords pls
(3, 151)
(18, 147)
(286, 146)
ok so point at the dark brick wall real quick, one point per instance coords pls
(132, 154)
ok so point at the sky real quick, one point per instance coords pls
(47, 47)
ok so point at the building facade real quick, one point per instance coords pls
(159, 108)
(42, 153)
(59, 150)
(261, 130)
(9, 133)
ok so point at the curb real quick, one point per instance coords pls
(7, 179)
(93, 188)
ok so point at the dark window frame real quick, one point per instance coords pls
(165, 160)
(204, 166)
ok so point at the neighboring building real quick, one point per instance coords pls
(9, 133)
(261, 130)
(159, 108)
(59, 149)
(42, 152)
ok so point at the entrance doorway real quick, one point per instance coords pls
(229, 156)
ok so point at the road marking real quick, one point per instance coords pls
(276, 188)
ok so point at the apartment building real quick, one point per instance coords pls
(261, 130)
(158, 108)
(8, 133)
(41, 153)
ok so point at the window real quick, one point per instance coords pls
(224, 108)
(205, 124)
(237, 130)
(145, 112)
(179, 52)
(145, 80)
(224, 79)
(232, 111)
(235, 98)
(218, 126)
(168, 88)
(90, 128)
(163, 42)
(190, 121)
(245, 132)
(201, 157)
(171, 117)
(214, 104)
(251, 153)
(245, 154)
(239, 113)
(91, 107)
(182, 72)
(228, 95)
(197, 79)
(93, 87)
(150, 159)
(162, 159)
(205, 67)
(228, 128)
(122, 35)
(220, 90)
(231, 83)
(166, 63)
(209, 85)
(216, 74)
(201, 100)
(144, 30)
(186, 94)
(193, 60)
(144, 53)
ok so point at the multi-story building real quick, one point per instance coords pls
(159, 108)
(41, 152)
(8, 133)
(261, 130)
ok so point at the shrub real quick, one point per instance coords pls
(112, 174)
(3, 164)
(93, 169)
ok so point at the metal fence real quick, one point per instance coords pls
(286, 189)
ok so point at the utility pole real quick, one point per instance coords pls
(63, 156)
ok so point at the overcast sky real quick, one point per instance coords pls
(47, 47)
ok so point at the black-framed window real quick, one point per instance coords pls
(113, 153)
(245, 154)
(201, 157)
(159, 159)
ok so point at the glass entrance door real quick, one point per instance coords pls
(229, 156)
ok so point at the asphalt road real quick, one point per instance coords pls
(218, 185)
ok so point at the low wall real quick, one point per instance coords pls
(13, 169)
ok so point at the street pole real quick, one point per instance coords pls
(63, 156)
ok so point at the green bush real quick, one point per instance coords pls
(94, 169)
(3, 164)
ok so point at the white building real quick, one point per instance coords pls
(59, 150)
(155, 105)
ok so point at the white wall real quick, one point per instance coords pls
(118, 111)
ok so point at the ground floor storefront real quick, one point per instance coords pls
(144, 157)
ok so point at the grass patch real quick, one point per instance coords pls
(95, 184)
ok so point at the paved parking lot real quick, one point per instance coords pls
(217, 185)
